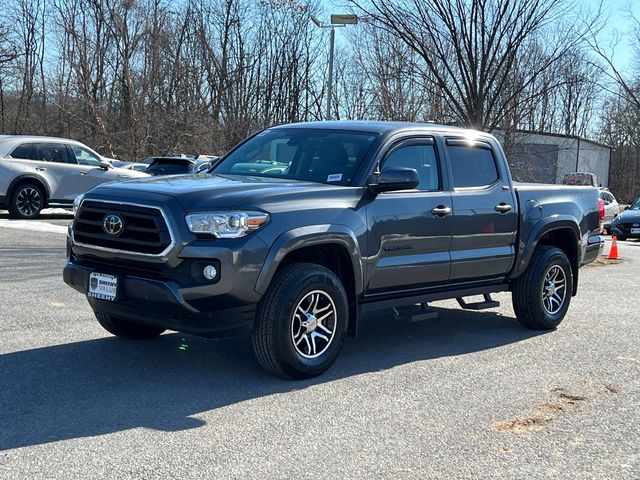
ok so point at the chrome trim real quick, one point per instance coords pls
(128, 252)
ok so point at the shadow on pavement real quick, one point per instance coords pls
(108, 385)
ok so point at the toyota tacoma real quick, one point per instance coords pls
(301, 228)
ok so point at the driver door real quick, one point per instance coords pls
(410, 230)
(88, 171)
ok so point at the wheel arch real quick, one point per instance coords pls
(561, 233)
(29, 178)
(333, 246)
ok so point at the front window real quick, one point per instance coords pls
(635, 205)
(315, 155)
(84, 156)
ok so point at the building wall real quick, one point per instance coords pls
(530, 153)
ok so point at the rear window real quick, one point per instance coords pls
(472, 166)
(26, 151)
(169, 166)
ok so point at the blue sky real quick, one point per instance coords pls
(619, 24)
(616, 10)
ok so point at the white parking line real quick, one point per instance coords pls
(33, 225)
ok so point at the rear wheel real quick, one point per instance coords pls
(301, 322)
(26, 201)
(541, 295)
(127, 329)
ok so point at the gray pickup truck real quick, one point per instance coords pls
(301, 228)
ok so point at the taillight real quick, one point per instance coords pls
(601, 208)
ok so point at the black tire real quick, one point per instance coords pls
(533, 302)
(622, 238)
(127, 329)
(278, 324)
(26, 201)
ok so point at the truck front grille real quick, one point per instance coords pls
(144, 229)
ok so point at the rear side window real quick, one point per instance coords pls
(26, 151)
(53, 152)
(472, 166)
(420, 157)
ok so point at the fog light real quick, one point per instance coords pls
(210, 272)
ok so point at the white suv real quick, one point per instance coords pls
(611, 207)
(37, 172)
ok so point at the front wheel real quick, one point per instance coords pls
(301, 322)
(541, 295)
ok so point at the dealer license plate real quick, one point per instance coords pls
(102, 286)
(635, 230)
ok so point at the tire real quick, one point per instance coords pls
(622, 238)
(26, 201)
(284, 336)
(127, 329)
(536, 305)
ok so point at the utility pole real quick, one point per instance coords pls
(337, 20)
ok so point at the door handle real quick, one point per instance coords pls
(84, 172)
(503, 207)
(441, 211)
(40, 169)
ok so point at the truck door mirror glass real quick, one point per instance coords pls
(394, 179)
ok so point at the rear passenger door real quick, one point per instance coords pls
(410, 230)
(484, 212)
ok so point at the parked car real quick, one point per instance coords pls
(38, 172)
(611, 207)
(627, 224)
(171, 166)
(138, 167)
(358, 216)
(580, 178)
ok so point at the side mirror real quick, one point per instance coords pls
(627, 207)
(105, 165)
(607, 203)
(394, 179)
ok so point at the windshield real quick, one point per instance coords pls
(635, 205)
(315, 155)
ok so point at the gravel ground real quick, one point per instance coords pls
(467, 395)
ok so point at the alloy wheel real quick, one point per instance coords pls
(554, 290)
(313, 324)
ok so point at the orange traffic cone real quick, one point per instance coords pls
(613, 253)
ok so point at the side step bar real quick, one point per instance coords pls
(415, 313)
(488, 303)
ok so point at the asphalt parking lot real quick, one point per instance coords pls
(467, 395)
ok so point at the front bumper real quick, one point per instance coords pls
(624, 230)
(162, 304)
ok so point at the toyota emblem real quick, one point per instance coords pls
(113, 224)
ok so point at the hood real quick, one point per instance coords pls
(629, 216)
(206, 192)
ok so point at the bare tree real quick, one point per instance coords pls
(471, 48)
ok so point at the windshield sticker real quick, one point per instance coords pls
(334, 177)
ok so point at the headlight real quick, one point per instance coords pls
(76, 204)
(226, 224)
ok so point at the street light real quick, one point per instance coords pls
(337, 20)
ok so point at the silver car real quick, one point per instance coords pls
(611, 207)
(38, 172)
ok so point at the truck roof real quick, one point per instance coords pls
(375, 126)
